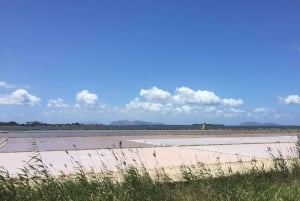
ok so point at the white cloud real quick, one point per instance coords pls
(152, 104)
(155, 94)
(230, 112)
(58, 103)
(262, 110)
(19, 97)
(89, 99)
(184, 109)
(185, 95)
(183, 101)
(232, 102)
(263, 113)
(209, 109)
(291, 99)
(237, 111)
(136, 104)
(6, 85)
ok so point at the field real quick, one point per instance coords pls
(205, 166)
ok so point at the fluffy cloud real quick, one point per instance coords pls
(19, 97)
(232, 102)
(152, 103)
(291, 99)
(57, 103)
(6, 85)
(183, 101)
(184, 109)
(89, 99)
(232, 112)
(263, 113)
(155, 94)
(237, 111)
(262, 110)
(185, 95)
(136, 104)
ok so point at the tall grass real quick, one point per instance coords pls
(35, 182)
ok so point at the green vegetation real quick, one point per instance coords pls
(281, 182)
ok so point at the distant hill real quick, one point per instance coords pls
(133, 123)
(254, 123)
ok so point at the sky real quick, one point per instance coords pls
(174, 62)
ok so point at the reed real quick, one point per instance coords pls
(35, 182)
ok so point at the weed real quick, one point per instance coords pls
(35, 182)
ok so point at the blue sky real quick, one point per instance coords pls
(176, 62)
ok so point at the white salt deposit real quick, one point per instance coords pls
(217, 141)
